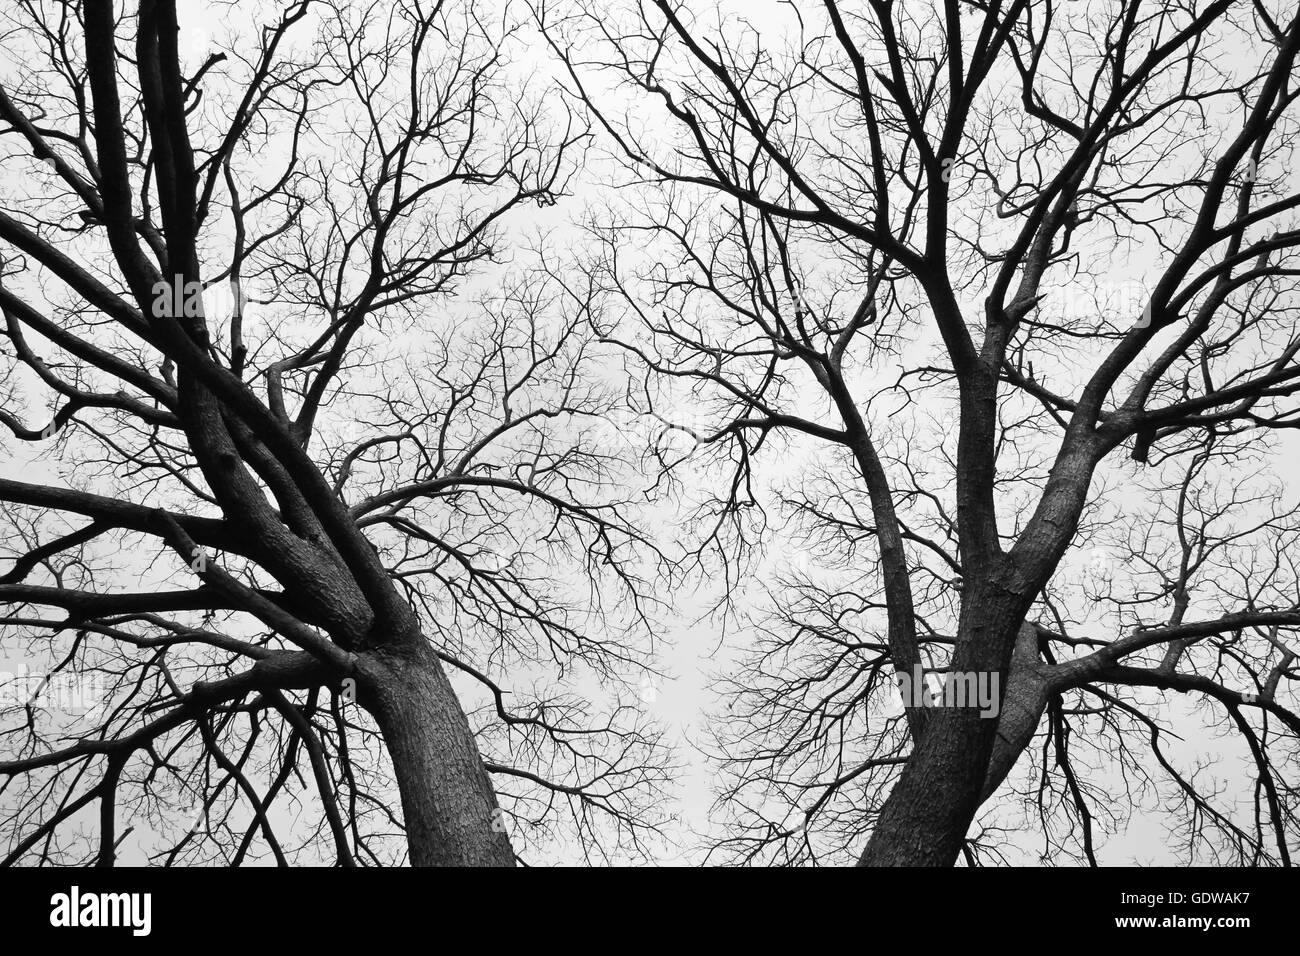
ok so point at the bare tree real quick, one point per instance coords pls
(290, 468)
(956, 257)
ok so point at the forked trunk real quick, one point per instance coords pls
(960, 760)
(931, 807)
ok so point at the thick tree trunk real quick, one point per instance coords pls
(448, 804)
(928, 812)
(960, 759)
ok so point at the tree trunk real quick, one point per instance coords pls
(927, 814)
(1023, 703)
(448, 804)
(952, 771)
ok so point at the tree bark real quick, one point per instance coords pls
(1023, 704)
(927, 814)
(961, 756)
(448, 803)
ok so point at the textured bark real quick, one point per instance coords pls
(962, 757)
(928, 812)
(961, 762)
(448, 804)
(1023, 703)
